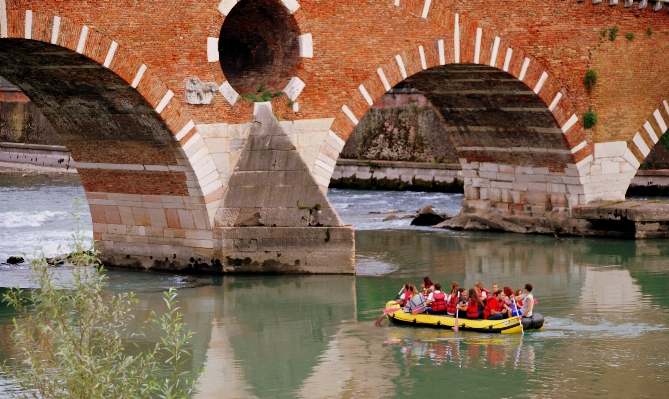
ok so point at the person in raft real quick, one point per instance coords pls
(478, 286)
(496, 308)
(528, 301)
(427, 286)
(463, 302)
(436, 301)
(416, 302)
(473, 308)
(452, 301)
(508, 298)
(402, 300)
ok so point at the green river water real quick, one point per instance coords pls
(605, 304)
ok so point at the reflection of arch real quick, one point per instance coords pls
(306, 50)
(468, 44)
(99, 53)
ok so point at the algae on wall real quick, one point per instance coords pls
(405, 132)
(22, 122)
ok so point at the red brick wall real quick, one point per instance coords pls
(353, 38)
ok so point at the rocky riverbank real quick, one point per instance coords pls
(622, 219)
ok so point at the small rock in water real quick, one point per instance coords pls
(428, 217)
(392, 216)
(58, 259)
(408, 217)
(15, 260)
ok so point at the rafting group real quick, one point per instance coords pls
(479, 309)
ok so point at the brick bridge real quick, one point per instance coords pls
(176, 184)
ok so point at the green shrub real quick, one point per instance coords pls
(71, 339)
(649, 31)
(590, 79)
(589, 119)
(613, 33)
(629, 36)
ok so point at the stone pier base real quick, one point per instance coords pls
(286, 250)
(621, 219)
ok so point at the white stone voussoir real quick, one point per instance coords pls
(55, 30)
(495, 49)
(568, 125)
(138, 76)
(426, 8)
(456, 39)
(225, 6)
(507, 59)
(3, 19)
(294, 88)
(212, 49)
(477, 48)
(651, 132)
(291, 5)
(442, 56)
(29, 24)
(82, 40)
(383, 78)
(660, 121)
(306, 42)
(641, 145)
(523, 70)
(230, 95)
(165, 100)
(110, 54)
(365, 95)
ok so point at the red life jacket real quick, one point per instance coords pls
(452, 304)
(406, 299)
(473, 309)
(439, 301)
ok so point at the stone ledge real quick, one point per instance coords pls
(399, 164)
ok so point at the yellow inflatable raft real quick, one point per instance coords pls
(504, 326)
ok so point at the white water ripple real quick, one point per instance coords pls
(18, 219)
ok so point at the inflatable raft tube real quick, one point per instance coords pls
(504, 326)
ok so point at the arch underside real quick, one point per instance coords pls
(98, 116)
(146, 203)
(493, 117)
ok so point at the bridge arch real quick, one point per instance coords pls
(537, 166)
(148, 176)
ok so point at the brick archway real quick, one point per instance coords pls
(148, 176)
(468, 45)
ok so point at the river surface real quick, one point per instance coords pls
(604, 300)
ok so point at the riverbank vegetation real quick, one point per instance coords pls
(73, 338)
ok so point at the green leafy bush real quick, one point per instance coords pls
(649, 31)
(589, 119)
(629, 36)
(613, 33)
(590, 79)
(261, 95)
(71, 339)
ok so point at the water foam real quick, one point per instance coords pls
(18, 219)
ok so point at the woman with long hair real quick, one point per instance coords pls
(475, 306)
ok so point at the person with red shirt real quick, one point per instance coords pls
(436, 301)
(474, 308)
(496, 308)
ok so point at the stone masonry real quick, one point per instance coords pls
(505, 76)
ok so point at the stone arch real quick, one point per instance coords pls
(147, 173)
(306, 52)
(475, 46)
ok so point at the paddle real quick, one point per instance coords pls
(520, 316)
(456, 327)
(384, 312)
